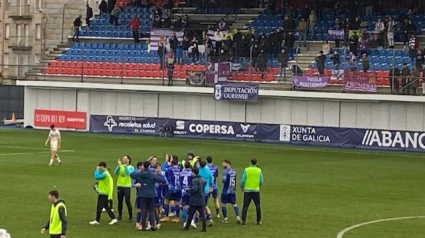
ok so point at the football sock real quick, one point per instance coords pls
(184, 214)
(167, 208)
(236, 209)
(224, 210)
(177, 211)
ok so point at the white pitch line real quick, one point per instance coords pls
(342, 233)
(39, 152)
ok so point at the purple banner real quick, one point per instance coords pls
(292, 134)
(246, 92)
(360, 81)
(310, 81)
(335, 34)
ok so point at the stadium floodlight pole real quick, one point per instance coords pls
(250, 62)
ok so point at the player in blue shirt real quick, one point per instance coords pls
(228, 195)
(174, 190)
(214, 193)
(139, 167)
(159, 194)
(186, 183)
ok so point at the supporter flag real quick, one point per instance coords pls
(163, 34)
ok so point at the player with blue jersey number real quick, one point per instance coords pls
(186, 183)
(214, 193)
(159, 194)
(174, 190)
(228, 195)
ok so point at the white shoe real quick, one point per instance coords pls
(113, 221)
(210, 222)
(171, 214)
(184, 224)
(218, 216)
(158, 226)
(225, 220)
(103, 210)
(148, 227)
(193, 224)
(94, 222)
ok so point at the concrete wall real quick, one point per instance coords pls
(370, 115)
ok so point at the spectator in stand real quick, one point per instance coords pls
(185, 47)
(222, 25)
(179, 54)
(379, 28)
(262, 61)
(320, 59)
(346, 27)
(363, 44)
(412, 11)
(218, 37)
(255, 50)
(404, 28)
(419, 59)
(288, 25)
(168, 6)
(413, 80)
(356, 24)
(185, 21)
(413, 46)
(195, 50)
(111, 5)
(103, 7)
(365, 63)
(115, 15)
(161, 54)
(302, 31)
(337, 9)
(170, 71)
(390, 32)
(369, 7)
(337, 27)
(167, 23)
(77, 25)
(393, 79)
(326, 48)
(228, 45)
(134, 24)
(336, 60)
(289, 44)
(312, 19)
(283, 61)
(178, 23)
(89, 14)
(354, 42)
(209, 50)
(174, 43)
(237, 38)
(352, 60)
(157, 23)
(305, 13)
(263, 43)
(411, 27)
(405, 72)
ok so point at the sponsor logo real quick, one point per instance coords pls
(285, 133)
(245, 127)
(413, 140)
(110, 123)
(212, 129)
(308, 134)
(218, 94)
(180, 125)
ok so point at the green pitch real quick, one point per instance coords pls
(308, 192)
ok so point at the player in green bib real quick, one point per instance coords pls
(123, 172)
(58, 223)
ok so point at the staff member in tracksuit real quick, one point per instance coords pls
(145, 181)
(252, 179)
(197, 200)
(123, 172)
(58, 223)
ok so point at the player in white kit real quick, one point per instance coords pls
(55, 144)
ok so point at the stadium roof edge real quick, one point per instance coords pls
(210, 90)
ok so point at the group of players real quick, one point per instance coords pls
(172, 195)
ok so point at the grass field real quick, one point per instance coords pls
(308, 192)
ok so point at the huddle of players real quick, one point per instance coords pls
(174, 195)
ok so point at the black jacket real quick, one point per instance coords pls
(77, 21)
(148, 180)
(62, 217)
(161, 51)
(197, 195)
(335, 59)
(103, 7)
(321, 61)
(186, 44)
(174, 43)
(89, 13)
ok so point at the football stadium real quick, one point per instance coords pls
(277, 118)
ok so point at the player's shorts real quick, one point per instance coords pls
(185, 200)
(228, 198)
(174, 196)
(214, 193)
(138, 203)
(165, 190)
(54, 146)
(158, 201)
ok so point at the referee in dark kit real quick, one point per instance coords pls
(252, 179)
